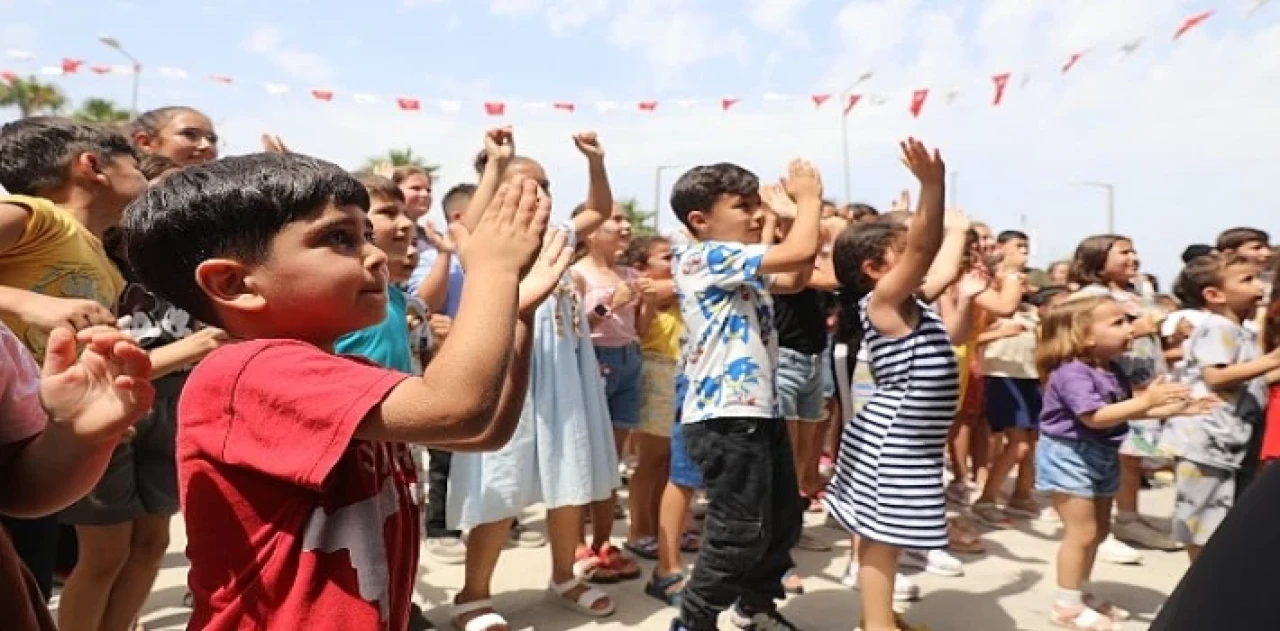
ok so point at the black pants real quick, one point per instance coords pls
(438, 465)
(36, 541)
(754, 517)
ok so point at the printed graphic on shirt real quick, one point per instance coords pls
(152, 321)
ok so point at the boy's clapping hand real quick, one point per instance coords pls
(775, 196)
(803, 182)
(99, 396)
(509, 234)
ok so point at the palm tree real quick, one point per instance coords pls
(641, 220)
(101, 111)
(399, 158)
(31, 97)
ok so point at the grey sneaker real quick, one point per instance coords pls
(447, 550)
(733, 619)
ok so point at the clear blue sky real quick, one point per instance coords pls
(1186, 131)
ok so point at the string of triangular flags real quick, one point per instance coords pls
(848, 101)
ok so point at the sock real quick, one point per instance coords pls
(1069, 598)
(1125, 516)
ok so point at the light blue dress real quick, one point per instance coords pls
(562, 454)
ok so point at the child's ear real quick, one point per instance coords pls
(1212, 295)
(142, 140)
(870, 269)
(697, 220)
(87, 166)
(229, 284)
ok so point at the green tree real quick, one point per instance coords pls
(641, 220)
(399, 158)
(32, 97)
(101, 111)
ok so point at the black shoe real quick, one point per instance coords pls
(678, 625)
(417, 620)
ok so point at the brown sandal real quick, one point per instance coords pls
(963, 540)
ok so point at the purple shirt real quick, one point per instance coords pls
(1075, 389)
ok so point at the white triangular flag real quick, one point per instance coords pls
(450, 107)
(775, 96)
(364, 98)
(951, 95)
(20, 55)
(51, 70)
(122, 69)
(606, 106)
(275, 89)
(1128, 48)
(534, 105)
(687, 103)
(173, 73)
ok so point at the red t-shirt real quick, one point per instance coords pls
(292, 523)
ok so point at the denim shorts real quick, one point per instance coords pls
(621, 368)
(1080, 468)
(684, 472)
(828, 371)
(799, 385)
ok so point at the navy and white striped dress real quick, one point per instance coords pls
(888, 479)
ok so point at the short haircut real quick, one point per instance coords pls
(1202, 273)
(1235, 238)
(229, 208)
(1009, 235)
(36, 153)
(700, 187)
(637, 252)
(380, 186)
(1195, 251)
(1042, 296)
(858, 211)
(154, 165)
(459, 190)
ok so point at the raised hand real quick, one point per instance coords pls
(589, 145)
(546, 272)
(272, 143)
(776, 198)
(440, 325)
(647, 290)
(99, 396)
(500, 144)
(955, 220)
(509, 234)
(927, 166)
(803, 182)
(972, 283)
(438, 240)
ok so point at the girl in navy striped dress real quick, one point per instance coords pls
(888, 482)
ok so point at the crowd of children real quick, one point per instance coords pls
(280, 349)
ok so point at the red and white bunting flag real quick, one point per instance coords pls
(173, 73)
(365, 98)
(8, 76)
(1128, 48)
(1071, 62)
(819, 99)
(606, 106)
(322, 95)
(276, 89)
(1002, 81)
(917, 101)
(687, 103)
(851, 101)
(564, 106)
(647, 106)
(407, 104)
(100, 69)
(1191, 23)
(775, 96)
(727, 104)
(450, 107)
(495, 108)
(220, 78)
(71, 66)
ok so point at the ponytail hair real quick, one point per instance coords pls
(857, 244)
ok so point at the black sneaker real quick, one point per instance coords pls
(417, 620)
(678, 625)
(735, 618)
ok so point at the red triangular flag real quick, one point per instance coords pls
(218, 78)
(564, 106)
(850, 102)
(408, 104)
(819, 99)
(100, 69)
(647, 106)
(1071, 62)
(1191, 23)
(322, 95)
(8, 76)
(726, 104)
(495, 108)
(1001, 80)
(71, 66)
(917, 101)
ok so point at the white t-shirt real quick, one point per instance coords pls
(730, 349)
(1170, 325)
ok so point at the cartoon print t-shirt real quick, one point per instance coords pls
(730, 348)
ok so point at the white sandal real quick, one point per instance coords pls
(482, 622)
(583, 604)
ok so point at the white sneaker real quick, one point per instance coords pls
(1138, 531)
(938, 562)
(1049, 516)
(1115, 551)
(904, 589)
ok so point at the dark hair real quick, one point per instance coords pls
(36, 152)
(1091, 258)
(637, 253)
(859, 211)
(1010, 235)
(154, 165)
(1042, 296)
(1196, 251)
(379, 186)
(1202, 273)
(458, 190)
(1271, 325)
(700, 187)
(900, 217)
(860, 242)
(228, 208)
(1235, 238)
(1151, 278)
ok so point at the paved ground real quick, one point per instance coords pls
(1008, 588)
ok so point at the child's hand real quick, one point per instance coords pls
(803, 182)
(621, 296)
(271, 143)
(440, 325)
(647, 290)
(589, 145)
(500, 144)
(46, 312)
(776, 198)
(954, 220)
(971, 284)
(927, 166)
(99, 396)
(545, 275)
(509, 234)
(1163, 392)
(1202, 406)
(438, 240)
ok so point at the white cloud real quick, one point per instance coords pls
(779, 18)
(19, 36)
(513, 8)
(562, 17)
(299, 65)
(673, 37)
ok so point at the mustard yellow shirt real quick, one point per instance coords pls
(58, 257)
(663, 336)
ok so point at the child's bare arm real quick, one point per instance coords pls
(37, 309)
(924, 237)
(499, 149)
(1003, 301)
(599, 192)
(182, 353)
(946, 265)
(1230, 375)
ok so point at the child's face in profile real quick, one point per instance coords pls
(1241, 289)
(732, 218)
(186, 138)
(123, 181)
(658, 264)
(392, 233)
(1111, 331)
(456, 206)
(1256, 251)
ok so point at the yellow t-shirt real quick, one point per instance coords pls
(663, 336)
(58, 257)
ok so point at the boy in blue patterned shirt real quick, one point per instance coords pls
(732, 425)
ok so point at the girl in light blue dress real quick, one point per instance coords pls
(562, 454)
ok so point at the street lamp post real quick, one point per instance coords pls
(1110, 190)
(657, 194)
(844, 133)
(112, 42)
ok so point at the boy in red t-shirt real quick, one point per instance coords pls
(292, 465)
